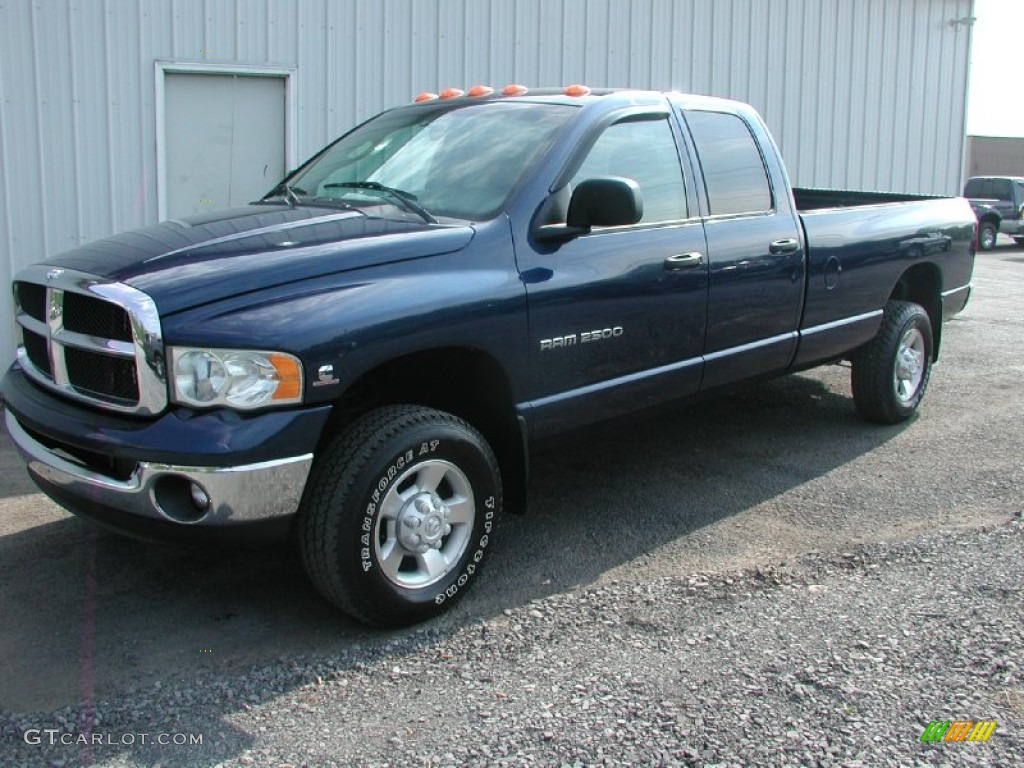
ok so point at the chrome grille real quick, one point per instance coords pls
(90, 339)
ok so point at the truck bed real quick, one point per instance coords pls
(810, 199)
(858, 246)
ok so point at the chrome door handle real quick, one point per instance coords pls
(684, 261)
(785, 245)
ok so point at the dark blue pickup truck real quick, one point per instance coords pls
(998, 202)
(361, 358)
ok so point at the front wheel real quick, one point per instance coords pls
(891, 372)
(398, 514)
(1019, 240)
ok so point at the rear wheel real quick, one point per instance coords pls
(891, 372)
(987, 236)
(1019, 240)
(399, 513)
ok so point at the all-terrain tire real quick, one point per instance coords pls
(398, 514)
(890, 373)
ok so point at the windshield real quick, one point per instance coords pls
(452, 161)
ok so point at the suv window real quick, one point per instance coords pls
(734, 172)
(645, 151)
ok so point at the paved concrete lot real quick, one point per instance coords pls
(756, 478)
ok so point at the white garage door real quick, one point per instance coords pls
(225, 139)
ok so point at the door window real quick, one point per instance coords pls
(644, 151)
(734, 172)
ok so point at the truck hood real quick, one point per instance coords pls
(184, 263)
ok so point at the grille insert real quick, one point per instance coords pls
(36, 349)
(95, 317)
(32, 300)
(103, 375)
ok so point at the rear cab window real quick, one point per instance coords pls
(735, 176)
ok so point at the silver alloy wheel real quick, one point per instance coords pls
(988, 238)
(425, 524)
(910, 364)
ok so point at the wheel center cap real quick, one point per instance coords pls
(909, 364)
(423, 523)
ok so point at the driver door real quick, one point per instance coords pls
(618, 315)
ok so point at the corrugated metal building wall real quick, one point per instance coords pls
(860, 93)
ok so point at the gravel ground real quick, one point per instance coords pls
(829, 659)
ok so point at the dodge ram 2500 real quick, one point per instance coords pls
(362, 357)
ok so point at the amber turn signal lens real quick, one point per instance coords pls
(451, 93)
(289, 376)
(480, 90)
(514, 89)
(425, 96)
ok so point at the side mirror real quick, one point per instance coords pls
(604, 201)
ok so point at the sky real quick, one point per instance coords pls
(995, 104)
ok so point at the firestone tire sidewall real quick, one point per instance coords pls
(356, 545)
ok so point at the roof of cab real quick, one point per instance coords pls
(577, 95)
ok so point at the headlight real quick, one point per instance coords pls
(237, 378)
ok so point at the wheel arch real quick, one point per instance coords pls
(991, 217)
(464, 381)
(922, 284)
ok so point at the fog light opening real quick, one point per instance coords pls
(181, 499)
(200, 498)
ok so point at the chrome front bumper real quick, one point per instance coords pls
(243, 494)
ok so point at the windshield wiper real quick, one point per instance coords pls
(406, 200)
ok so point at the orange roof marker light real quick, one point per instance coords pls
(451, 93)
(577, 90)
(514, 89)
(480, 90)
(425, 96)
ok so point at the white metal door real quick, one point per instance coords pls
(225, 139)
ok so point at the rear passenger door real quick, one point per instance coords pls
(755, 250)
